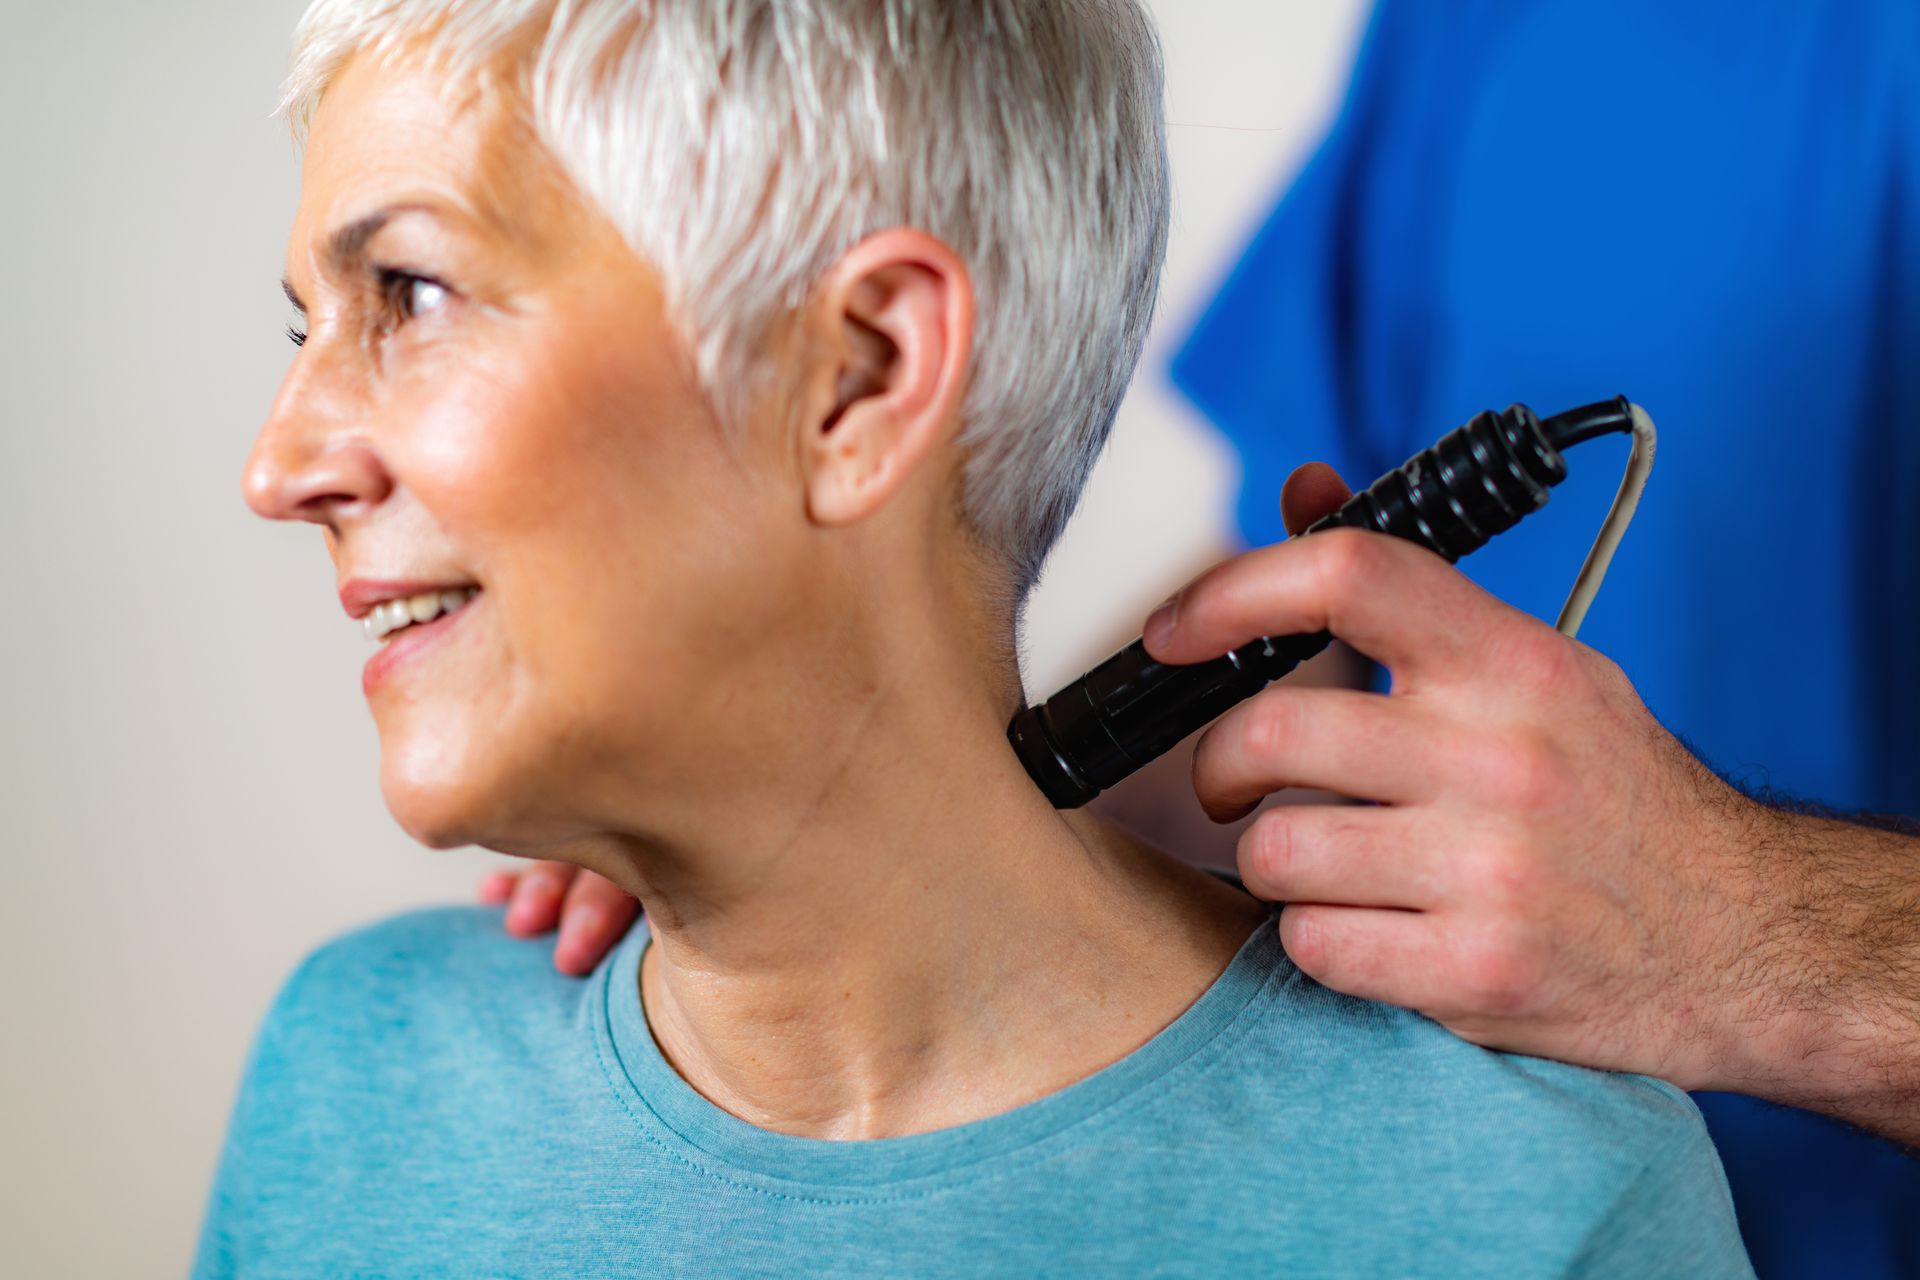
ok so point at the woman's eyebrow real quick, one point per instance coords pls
(347, 245)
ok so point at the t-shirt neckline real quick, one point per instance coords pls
(673, 1114)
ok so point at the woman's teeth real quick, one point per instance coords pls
(395, 615)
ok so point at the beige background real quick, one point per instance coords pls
(186, 769)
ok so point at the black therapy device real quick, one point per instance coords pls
(1452, 499)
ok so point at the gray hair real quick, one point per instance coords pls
(1028, 135)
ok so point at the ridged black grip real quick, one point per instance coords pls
(1456, 497)
(1453, 499)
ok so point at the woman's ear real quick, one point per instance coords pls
(897, 317)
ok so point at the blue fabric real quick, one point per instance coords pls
(428, 1098)
(1712, 208)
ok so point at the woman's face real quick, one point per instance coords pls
(490, 397)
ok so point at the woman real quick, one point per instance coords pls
(688, 395)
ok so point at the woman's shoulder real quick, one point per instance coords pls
(436, 945)
(1353, 1056)
(443, 981)
(1490, 1153)
(394, 1057)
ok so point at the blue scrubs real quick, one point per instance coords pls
(1713, 208)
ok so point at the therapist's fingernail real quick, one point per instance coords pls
(1160, 626)
(578, 928)
(534, 902)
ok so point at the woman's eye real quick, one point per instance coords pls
(411, 297)
(418, 297)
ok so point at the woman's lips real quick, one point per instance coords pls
(407, 645)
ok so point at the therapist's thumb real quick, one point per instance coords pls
(1311, 492)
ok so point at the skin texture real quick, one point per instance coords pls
(1545, 868)
(751, 674)
(1156, 804)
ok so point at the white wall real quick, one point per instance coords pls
(186, 769)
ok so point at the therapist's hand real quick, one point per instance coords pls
(1546, 870)
(591, 912)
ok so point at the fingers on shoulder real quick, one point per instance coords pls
(1465, 976)
(596, 915)
(534, 907)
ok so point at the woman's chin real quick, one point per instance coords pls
(447, 797)
(433, 824)
(438, 807)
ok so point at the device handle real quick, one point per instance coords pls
(1477, 482)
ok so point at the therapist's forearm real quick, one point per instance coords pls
(1830, 1018)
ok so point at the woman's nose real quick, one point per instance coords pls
(310, 464)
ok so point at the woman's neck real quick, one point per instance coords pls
(912, 938)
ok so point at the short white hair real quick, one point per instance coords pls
(743, 146)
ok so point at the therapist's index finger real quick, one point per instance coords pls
(1399, 604)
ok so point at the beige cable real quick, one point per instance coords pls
(1625, 503)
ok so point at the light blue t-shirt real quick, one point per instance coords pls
(429, 1098)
